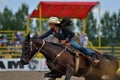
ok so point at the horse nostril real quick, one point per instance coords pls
(22, 61)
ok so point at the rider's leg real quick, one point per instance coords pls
(75, 45)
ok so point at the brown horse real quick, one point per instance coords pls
(61, 62)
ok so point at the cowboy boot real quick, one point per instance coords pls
(93, 60)
(91, 56)
(96, 61)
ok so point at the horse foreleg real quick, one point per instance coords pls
(69, 72)
(52, 75)
(50, 78)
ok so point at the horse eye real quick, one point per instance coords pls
(26, 48)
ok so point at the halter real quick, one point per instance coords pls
(31, 46)
(39, 49)
(43, 43)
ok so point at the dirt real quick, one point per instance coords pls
(28, 75)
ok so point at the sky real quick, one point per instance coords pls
(105, 5)
(14, 5)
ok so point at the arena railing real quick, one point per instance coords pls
(13, 52)
(10, 33)
(16, 51)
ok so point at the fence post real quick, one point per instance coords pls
(112, 46)
(13, 35)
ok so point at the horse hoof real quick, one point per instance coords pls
(49, 78)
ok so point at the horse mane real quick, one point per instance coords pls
(62, 46)
(57, 44)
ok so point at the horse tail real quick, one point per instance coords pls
(113, 60)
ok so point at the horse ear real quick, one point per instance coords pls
(27, 37)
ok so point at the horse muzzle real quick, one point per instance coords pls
(24, 62)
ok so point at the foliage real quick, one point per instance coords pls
(110, 28)
(10, 21)
(6, 19)
(92, 29)
(20, 17)
(110, 25)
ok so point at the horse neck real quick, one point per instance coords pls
(48, 50)
(51, 51)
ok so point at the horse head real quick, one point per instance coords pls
(29, 49)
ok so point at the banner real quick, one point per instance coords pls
(14, 65)
(44, 65)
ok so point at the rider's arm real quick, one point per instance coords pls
(69, 35)
(46, 34)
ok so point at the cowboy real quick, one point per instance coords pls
(65, 36)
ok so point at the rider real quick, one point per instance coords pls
(64, 35)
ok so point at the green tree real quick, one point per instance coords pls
(17, 21)
(92, 29)
(6, 19)
(105, 26)
(20, 17)
(118, 28)
(110, 28)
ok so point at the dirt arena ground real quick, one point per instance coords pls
(24, 75)
(29, 75)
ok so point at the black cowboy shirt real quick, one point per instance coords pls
(62, 34)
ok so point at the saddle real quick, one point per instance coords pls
(76, 53)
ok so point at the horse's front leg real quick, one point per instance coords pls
(52, 75)
(69, 72)
(50, 78)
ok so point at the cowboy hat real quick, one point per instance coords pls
(53, 20)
